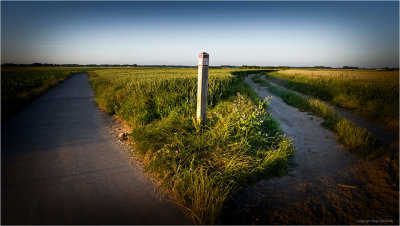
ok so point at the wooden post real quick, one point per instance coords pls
(202, 87)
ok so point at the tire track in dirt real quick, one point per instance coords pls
(328, 185)
(386, 136)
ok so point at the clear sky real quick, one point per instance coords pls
(364, 34)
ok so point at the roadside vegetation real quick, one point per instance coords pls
(202, 165)
(372, 93)
(357, 139)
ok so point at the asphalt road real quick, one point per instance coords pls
(60, 165)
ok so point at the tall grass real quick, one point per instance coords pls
(369, 92)
(142, 95)
(202, 165)
(357, 139)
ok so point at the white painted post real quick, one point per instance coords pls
(202, 87)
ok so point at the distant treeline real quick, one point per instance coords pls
(264, 67)
(316, 67)
(66, 65)
(184, 66)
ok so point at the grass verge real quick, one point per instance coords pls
(202, 165)
(357, 139)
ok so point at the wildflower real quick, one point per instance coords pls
(162, 104)
(158, 151)
(176, 151)
(215, 112)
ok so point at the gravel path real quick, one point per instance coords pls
(328, 185)
(60, 165)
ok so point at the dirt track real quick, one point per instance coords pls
(386, 136)
(328, 185)
(60, 165)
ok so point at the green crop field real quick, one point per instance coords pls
(144, 94)
(372, 93)
(201, 165)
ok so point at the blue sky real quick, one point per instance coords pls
(364, 34)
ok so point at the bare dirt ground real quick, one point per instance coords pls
(328, 184)
(61, 165)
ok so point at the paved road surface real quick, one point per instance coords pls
(61, 166)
